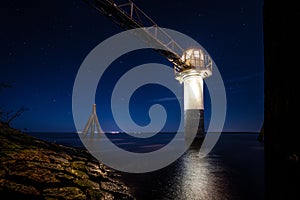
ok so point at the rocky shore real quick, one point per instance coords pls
(35, 169)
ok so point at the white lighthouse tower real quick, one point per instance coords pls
(200, 67)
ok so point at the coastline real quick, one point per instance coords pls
(35, 169)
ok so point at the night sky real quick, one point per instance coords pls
(43, 44)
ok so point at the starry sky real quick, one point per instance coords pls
(43, 44)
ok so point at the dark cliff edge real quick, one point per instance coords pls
(35, 169)
(281, 115)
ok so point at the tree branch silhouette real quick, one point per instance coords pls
(6, 117)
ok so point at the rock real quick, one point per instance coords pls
(35, 169)
(64, 193)
(11, 186)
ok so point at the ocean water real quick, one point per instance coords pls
(233, 170)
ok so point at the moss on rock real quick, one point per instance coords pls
(35, 169)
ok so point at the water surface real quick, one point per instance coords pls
(234, 170)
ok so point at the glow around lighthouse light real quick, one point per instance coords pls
(200, 62)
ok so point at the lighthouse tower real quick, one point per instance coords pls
(200, 67)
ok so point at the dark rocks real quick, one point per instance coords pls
(34, 169)
(64, 193)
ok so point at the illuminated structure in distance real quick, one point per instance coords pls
(192, 77)
(92, 123)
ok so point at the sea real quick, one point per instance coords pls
(233, 170)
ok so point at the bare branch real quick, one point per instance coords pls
(6, 117)
(16, 114)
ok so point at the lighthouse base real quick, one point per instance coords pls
(194, 124)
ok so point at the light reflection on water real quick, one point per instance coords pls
(202, 178)
(234, 170)
(230, 172)
(198, 178)
(189, 178)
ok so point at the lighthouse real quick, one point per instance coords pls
(199, 67)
